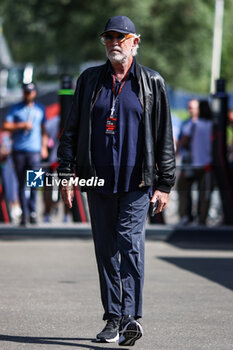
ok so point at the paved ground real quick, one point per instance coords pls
(49, 297)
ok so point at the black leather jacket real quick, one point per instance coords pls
(74, 151)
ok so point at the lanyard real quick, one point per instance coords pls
(114, 85)
(30, 118)
(111, 121)
(114, 98)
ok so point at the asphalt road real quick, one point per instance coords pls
(49, 297)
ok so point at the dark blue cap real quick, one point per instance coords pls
(121, 24)
(29, 87)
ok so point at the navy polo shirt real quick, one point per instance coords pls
(118, 158)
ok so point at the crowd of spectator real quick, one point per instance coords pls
(27, 139)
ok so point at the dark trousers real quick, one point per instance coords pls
(204, 180)
(26, 161)
(118, 226)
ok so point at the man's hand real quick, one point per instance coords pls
(27, 126)
(12, 127)
(67, 193)
(162, 198)
(44, 152)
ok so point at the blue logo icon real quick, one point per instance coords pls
(35, 178)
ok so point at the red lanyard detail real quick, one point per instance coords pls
(114, 85)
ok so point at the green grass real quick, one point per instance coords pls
(181, 113)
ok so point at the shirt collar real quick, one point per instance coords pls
(131, 71)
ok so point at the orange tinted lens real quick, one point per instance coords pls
(127, 36)
(106, 38)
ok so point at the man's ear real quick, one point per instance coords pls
(136, 41)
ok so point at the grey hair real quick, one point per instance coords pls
(135, 49)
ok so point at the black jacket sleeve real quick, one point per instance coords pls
(165, 144)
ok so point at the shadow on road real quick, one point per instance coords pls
(202, 237)
(218, 270)
(57, 341)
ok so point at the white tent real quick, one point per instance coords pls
(5, 56)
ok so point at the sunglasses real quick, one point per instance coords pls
(120, 37)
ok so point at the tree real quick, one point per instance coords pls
(176, 35)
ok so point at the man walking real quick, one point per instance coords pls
(26, 122)
(119, 129)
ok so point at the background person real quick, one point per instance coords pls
(230, 139)
(9, 179)
(25, 120)
(50, 194)
(184, 148)
(119, 129)
(196, 140)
